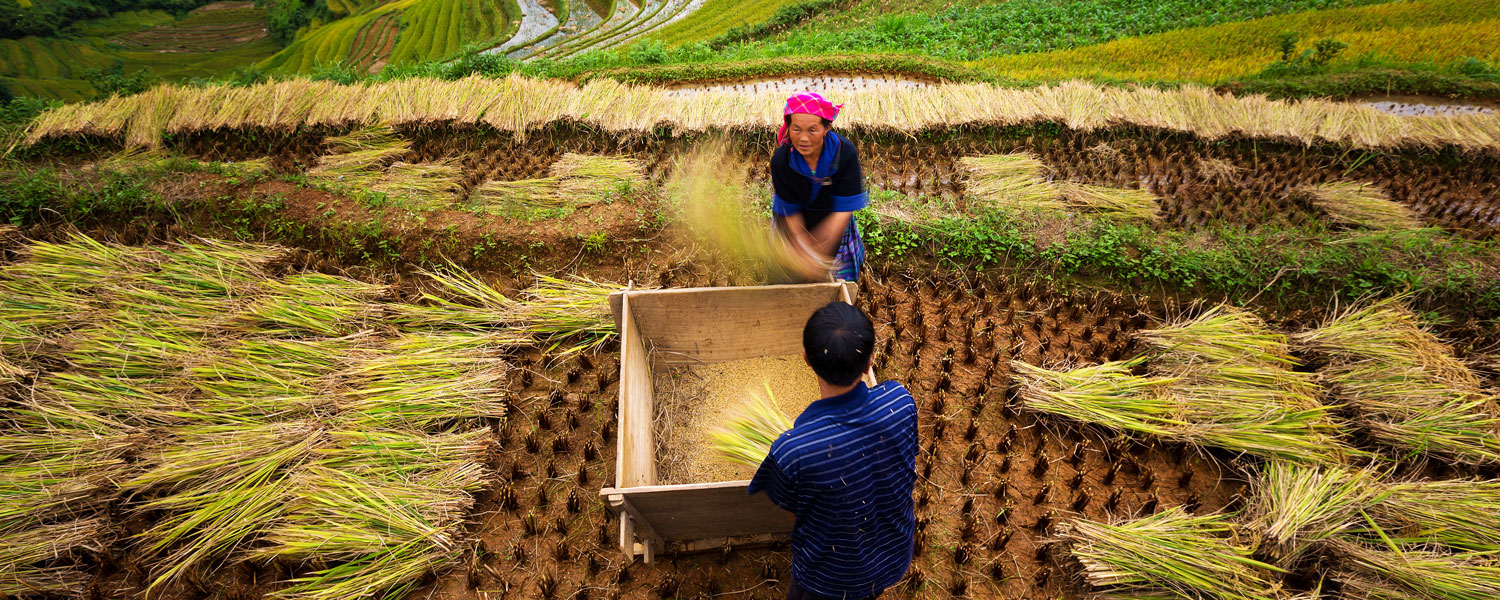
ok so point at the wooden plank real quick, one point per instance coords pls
(635, 463)
(722, 324)
(720, 511)
(760, 539)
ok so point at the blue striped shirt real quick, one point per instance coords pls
(846, 469)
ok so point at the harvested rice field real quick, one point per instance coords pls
(693, 401)
(359, 344)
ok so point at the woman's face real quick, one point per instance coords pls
(806, 132)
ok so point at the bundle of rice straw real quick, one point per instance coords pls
(1236, 388)
(1174, 552)
(1407, 388)
(1362, 205)
(1296, 506)
(746, 437)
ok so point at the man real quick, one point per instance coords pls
(846, 468)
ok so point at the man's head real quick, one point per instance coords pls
(838, 341)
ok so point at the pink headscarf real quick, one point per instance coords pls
(810, 103)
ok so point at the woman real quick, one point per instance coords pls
(817, 185)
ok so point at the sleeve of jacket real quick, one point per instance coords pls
(784, 200)
(779, 485)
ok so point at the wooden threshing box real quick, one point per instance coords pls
(661, 328)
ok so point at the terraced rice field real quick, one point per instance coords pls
(209, 28)
(404, 32)
(357, 415)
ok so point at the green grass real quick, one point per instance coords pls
(1286, 266)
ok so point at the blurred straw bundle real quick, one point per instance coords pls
(747, 435)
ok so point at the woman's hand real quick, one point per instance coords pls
(802, 261)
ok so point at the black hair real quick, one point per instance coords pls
(787, 120)
(838, 339)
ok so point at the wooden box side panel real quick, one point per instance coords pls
(723, 324)
(635, 463)
(696, 512)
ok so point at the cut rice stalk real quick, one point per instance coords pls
(1377, 574)
(1297, 506)
(27, 557)
(747, 436)
(1361, 205)
(1388, 332)
(1191, 556)
(1222, 333)
(1119, 203)
(1459, 514)
(1106, 394)
(389, 534)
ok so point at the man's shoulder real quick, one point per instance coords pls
(890, 391)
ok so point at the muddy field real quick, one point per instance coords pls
(1245, 182)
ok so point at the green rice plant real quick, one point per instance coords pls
(132, 159)
(465, 302)
(1360, 205)
(80, 262)
(1235, 387)
(214, 268)
(11, 372)
(131, 352)
(747, 434)
(321, 304)
(135, 402)
(196, 311)
(473, 343)
(1459, 514)
(1377, 574)
(1296, 506)
(379, 136)
(1406, 409)
(574, 181)
(48, 473)
(25, 555)
(212, 456)
(395, 455)
(1120, 203)
(387, 534)
(1106, 394)
(435, 184)
(1172, 551)
(263, 377)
